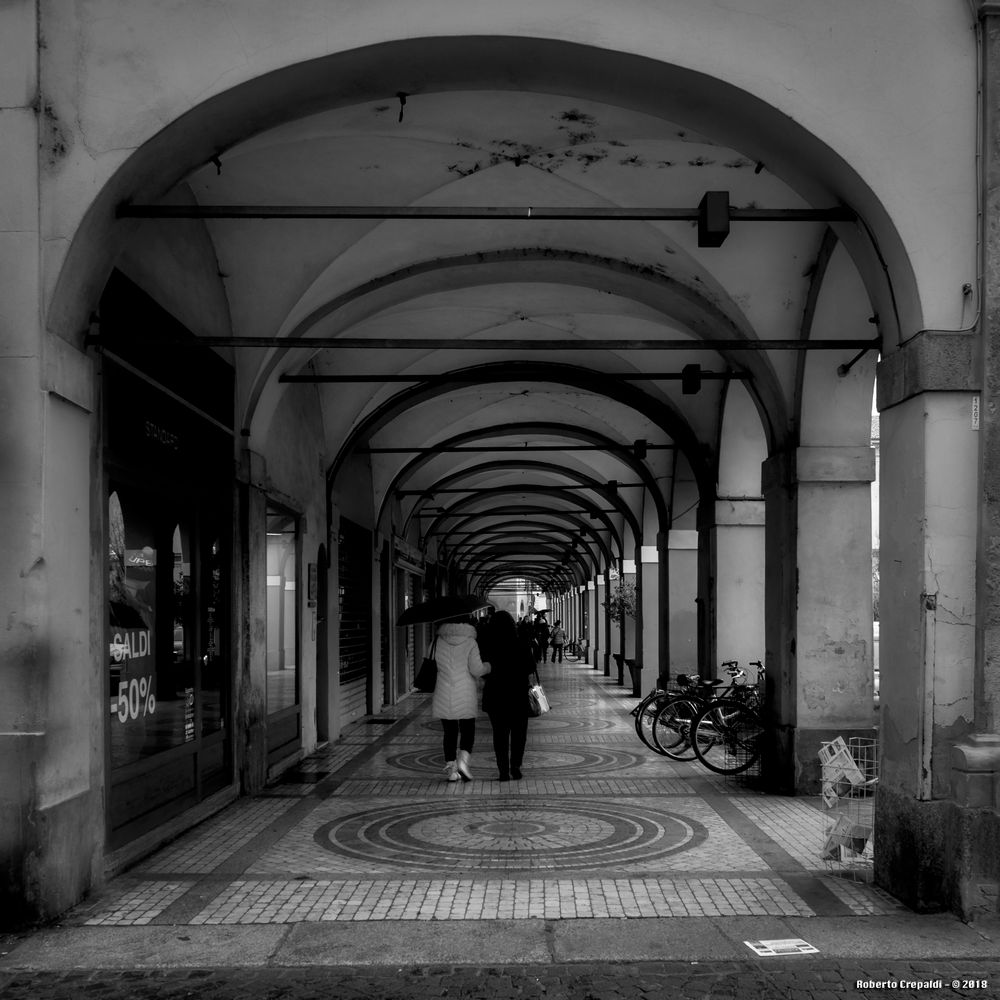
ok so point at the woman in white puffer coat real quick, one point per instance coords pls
(456, 694)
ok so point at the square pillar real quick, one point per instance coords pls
(739, 580)
(649, 571)
(833, 626)
(682, 553)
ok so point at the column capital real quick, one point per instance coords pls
(777, 472)
(678, 538)
(987, 8)
(835, 465)
(739, 511)
(931, 361)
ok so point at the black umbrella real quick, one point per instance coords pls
(439, 608)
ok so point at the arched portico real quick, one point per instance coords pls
(501, 109)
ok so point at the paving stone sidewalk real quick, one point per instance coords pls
(801, 978)
(606, 872)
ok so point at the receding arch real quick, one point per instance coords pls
(656, 410)
(621, 451)
(580, 526)
(581, 504)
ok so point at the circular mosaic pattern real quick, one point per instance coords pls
(510, 836)
(543, 763)
(564, 725)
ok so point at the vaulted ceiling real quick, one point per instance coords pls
(511, 397)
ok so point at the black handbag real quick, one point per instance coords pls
(427, 675)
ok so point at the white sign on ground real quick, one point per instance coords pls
(787, 946)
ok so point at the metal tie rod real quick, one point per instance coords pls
(587, 213)
(512, 377)
(494, 344)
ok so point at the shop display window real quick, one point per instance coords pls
(152, 684)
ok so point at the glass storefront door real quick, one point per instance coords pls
(168, 675)
(168, 472)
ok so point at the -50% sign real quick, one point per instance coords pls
(135, 697)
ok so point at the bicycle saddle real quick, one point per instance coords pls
(689, 680)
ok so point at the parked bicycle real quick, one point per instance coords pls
(727, 736)
(691, 694)
(671, 726)
(576, 649)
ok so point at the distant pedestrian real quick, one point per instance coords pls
(505, 694)
(456, 693)
(542, 637)
(558, 639)
(526, 632)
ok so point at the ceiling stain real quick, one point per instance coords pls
(575, 115)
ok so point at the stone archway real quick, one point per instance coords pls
(154, 162)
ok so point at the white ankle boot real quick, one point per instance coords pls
(462, 764)
(451, 771)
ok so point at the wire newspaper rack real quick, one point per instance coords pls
(849, 775)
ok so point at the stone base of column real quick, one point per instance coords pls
(938, 856)
(635, 677)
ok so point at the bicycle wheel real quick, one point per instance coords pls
(572, 651)
(644, 714)
(671, 728)
(727, 737)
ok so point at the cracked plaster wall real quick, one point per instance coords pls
(928, 554)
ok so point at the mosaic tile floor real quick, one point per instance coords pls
(367, 829)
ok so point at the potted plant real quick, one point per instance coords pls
(621, 600)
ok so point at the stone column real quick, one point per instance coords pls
(53, 709)
(927, 612)
(682, 553)
(833, 625)
(593, 623)
(739, 580)
(708, 662)
(653, 653)
(975, 757)
(603, 590)
(780, 598)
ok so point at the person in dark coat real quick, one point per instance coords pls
(542, 637)
(526, 633)
(505, 694)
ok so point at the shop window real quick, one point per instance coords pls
(283, 677)
(152, 687)
(168, 675)
(282, 631)
(167, 457)
(214, 669)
